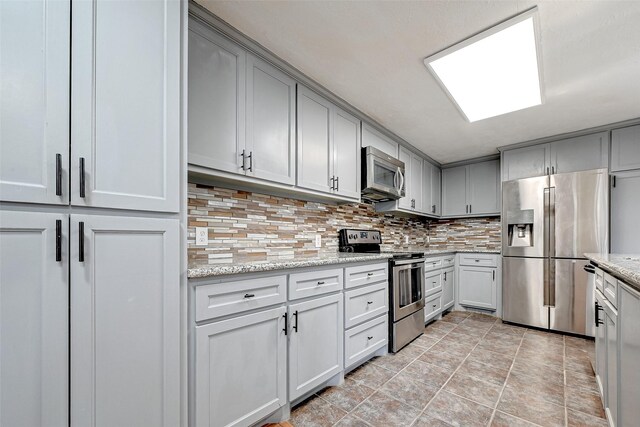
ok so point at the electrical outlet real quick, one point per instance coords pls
(202, 236)
(406, 240)
(318, 240)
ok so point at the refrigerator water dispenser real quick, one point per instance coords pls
(520, 228)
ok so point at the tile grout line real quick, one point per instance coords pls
(454, 372)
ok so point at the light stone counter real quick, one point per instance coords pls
(622, 266)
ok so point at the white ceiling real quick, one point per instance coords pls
(370, 54)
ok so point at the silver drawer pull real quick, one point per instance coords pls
(249, 295)
(369, 338)
(369, 302)
(321, 282)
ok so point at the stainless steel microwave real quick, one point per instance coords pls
(382, 176)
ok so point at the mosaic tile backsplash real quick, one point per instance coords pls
(245, 226)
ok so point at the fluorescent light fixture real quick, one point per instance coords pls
(494, 72)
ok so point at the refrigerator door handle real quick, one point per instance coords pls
(552, 282)
(545, 286)
(552, 222)
(545, 221)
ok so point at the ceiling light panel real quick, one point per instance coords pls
(495, 72)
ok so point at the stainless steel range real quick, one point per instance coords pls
(406, 285)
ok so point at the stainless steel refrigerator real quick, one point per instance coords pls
(548, 224)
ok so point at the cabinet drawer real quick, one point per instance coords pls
(432, 306)
(365, 303)
(312, 283)
(432, 282)
(223, 299)
(599, 280)
(365, 274)
(479, 260)
(610, 288)
(448, 261)
(434, 263)
(364, 340)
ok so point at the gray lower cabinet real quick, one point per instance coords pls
(241, 367)
(611, 334)
(625, 148)
(125, 329)
(477, 287)
(629, 354)
(601, 346)
(125, 120)
(315, 343)
(328, 141)
(448, 286)
(34, 112)
(34, 316)
(625, 205)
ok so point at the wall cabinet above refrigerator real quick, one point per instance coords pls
(568, 155)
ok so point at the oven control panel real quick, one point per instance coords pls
(355, 237)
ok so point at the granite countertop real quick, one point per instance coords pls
(623, 266)
(249, 266)
(281, 264)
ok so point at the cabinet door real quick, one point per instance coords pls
(427, 192)
(525, 162)
(34, 100)
(580, 153)
(271, 101)
(484, 188)
(125, 104)
(416, 182)
(34, 322)
(611, 325)
(625, 148)
(454, 191)
(216, 100)
(448, 297)
(629, 352)
(371, 137)
(314, 168)
(405, 157)
(240, 369)
(125, 330)
(346, 154)
(477, 287)
(315, 343)
(625, 205)
(601, 347)
(436, 189)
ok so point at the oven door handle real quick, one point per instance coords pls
(409, 261)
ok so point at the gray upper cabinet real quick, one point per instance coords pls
(567, 155)
(270, 119)
(436, 190)
(328, 147)
(34, 307)
(125, 329)
(472, 189)
(429, 205)
(34, 101)
(625, 205)
(217, 83)
(314, 141)
(346, 154)
(580, 153)
(484, 187)
(404, 156)
(454, 191)
(416, 182)
(625, 148)
(125, 104)
(371, 137)
(525, 162)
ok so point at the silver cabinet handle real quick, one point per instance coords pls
(58, 240)
(332, 180)
(295, 325)
(81, 241)
(244, 168)
(58, 174)
(82, 183)
(250, 161)
(433, 208)
(553, 170)
(547, 170)
(337, 183)
(494, 275)
(469, 208)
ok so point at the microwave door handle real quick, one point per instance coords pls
(401, 181)
(395, 180)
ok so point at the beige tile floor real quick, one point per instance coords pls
(466, 370)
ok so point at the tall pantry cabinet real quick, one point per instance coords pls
(89, 223)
